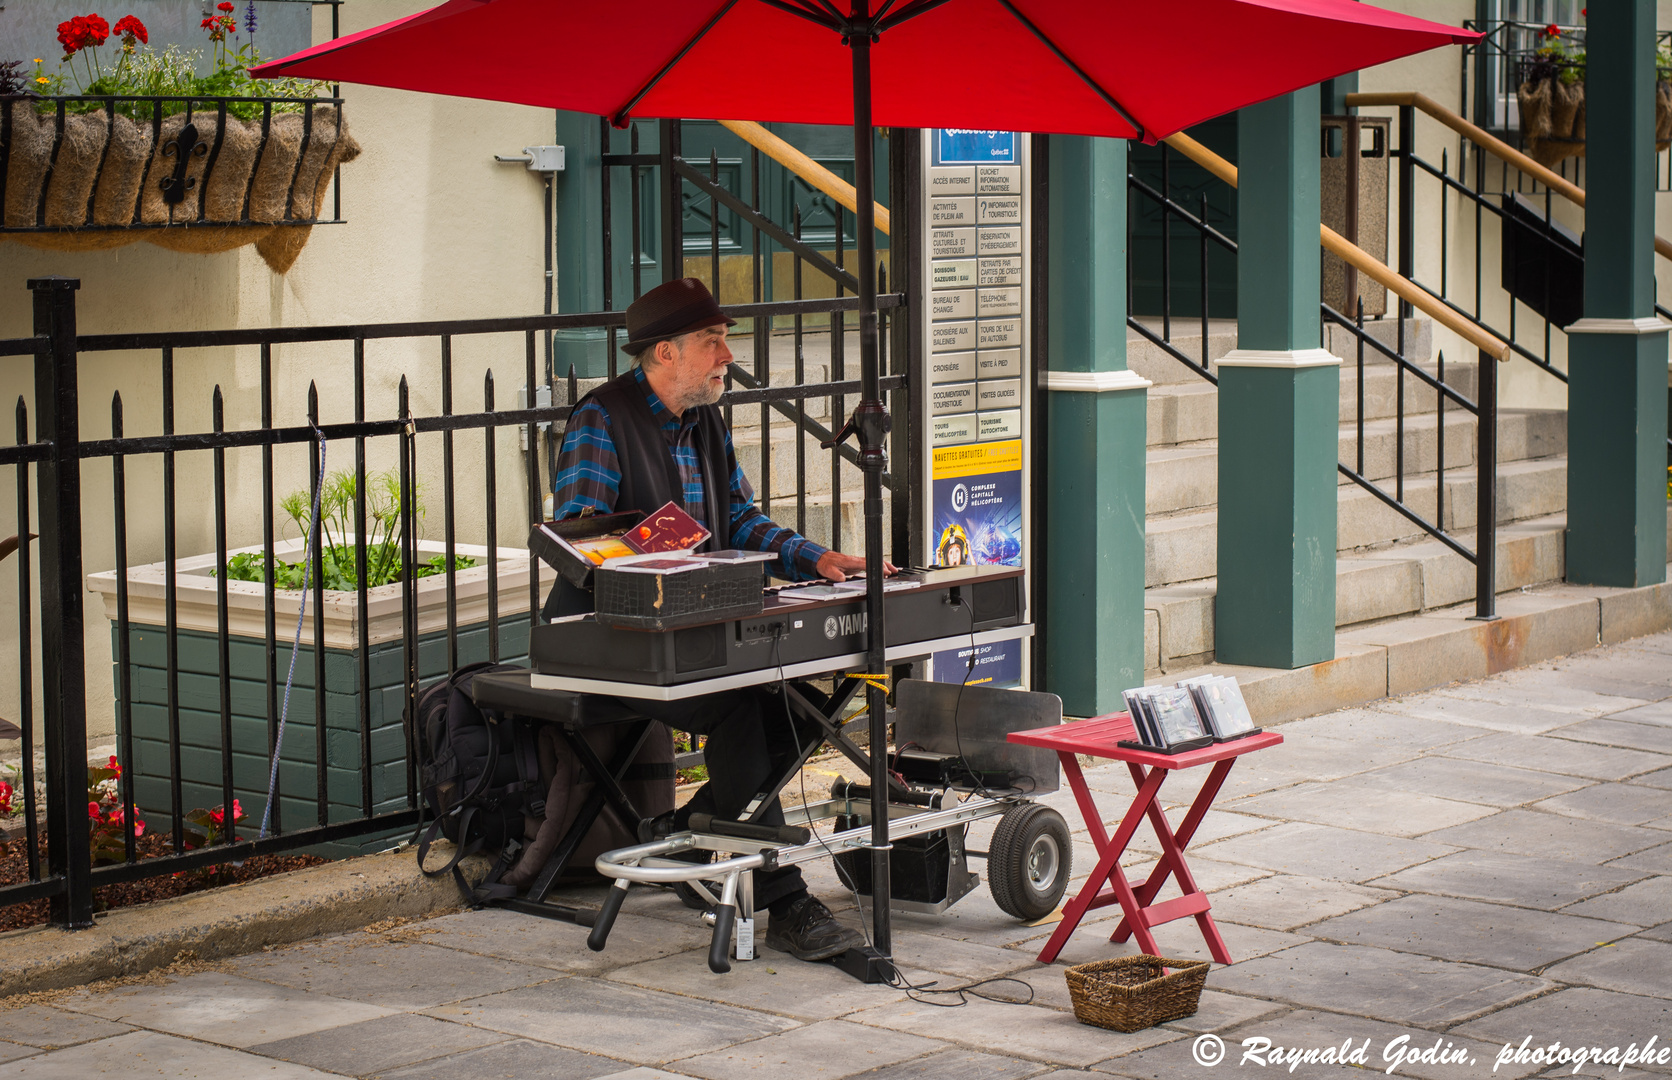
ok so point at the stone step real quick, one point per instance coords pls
(1182, 547)
(1185, 476)
(1434, 648)
(783, 481)
(1372, 588)
(1189, 411)
(1161, 368)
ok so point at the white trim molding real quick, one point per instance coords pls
(1095, 382)
(1649, 324)
(1278, 358)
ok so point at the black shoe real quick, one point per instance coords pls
(656, 828)
(810, 932)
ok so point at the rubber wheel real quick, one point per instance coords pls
(1029, 861)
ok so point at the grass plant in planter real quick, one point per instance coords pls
(363, 660)
(149, 150)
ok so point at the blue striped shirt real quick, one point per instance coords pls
(589, 475)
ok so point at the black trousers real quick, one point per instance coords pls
(750, 738)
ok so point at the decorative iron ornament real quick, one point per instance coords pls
(182, 148)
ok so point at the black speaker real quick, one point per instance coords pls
(994, 603)
(699, 647)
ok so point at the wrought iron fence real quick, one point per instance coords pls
(212, 725)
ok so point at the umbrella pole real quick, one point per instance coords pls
(870, 420)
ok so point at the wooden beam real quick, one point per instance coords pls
(1360, 260)
(803, 166)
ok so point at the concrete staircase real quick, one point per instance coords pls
(1387, 567)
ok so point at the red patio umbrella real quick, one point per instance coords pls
(1132, 69)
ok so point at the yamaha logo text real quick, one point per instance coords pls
(842, 625)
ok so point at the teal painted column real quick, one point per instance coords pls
(1095, 546)
(580, 244)
(1278, 394)
(1617, 354)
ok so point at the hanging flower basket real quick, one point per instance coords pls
(1553, 119)
(202, 179)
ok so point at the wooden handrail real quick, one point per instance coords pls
(803, 166)
(1360, 260)
(1491, 144)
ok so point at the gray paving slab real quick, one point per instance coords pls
(1660, 778)
(639, 1026)
(1377, 983)
(1384, 1048)
(523, 1059)
(1597, 677)
(1476, 714)
(1376, 726)
(1655, 860)
(11, 1051)
(1176, 1059)
(1352, 804)
(967, 959)
(1023, 1031)
(1626, 664)
(1307, 757)
(978, 918)
(378, 1046)
(1577, 1016)
(1515, 691)
(1621, 804)
(1218, 1011)
(224, 1009)
(152, 1054)
(832, 1048)
(1210, 875)
(1495, 935)
(1182, 940)
(1327, 852)
(1633, 966)
(771, 983)
(1528, 832)
(1506, 878)
(1644, 904)
(1615, 731)
(1290, 901)
(48, 1028)
(1659, 712)
(1564, 756)
(562, 946)
(958, 1065)
(1471, 781)
(401, 975)
(1663, 932)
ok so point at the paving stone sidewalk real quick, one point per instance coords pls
(1468, 867)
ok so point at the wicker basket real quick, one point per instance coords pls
(1131, 993)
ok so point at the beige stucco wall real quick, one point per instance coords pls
(435, 229)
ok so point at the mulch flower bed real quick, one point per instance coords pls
(14, 869)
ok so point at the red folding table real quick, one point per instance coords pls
(1099, 737)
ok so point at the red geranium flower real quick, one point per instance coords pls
(224, 6)
(1552, 31)
(131, 30)
(93, 811)
(5, 799)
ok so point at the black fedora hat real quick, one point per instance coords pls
(671, 309)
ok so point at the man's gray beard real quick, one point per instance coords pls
(705, 396)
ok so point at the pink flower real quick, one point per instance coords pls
(93, 810)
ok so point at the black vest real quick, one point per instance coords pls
(649, 474)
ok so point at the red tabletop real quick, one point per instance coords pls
(1100, 735)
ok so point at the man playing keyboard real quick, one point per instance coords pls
(655, 435)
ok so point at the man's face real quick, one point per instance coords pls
(694, 368)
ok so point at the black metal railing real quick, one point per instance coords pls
(312, 806)
(151, 162)
(1199, 232)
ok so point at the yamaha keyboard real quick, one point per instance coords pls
(927, 611)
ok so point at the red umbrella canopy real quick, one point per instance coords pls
(1120, 68)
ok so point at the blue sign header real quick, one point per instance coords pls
(963, 146)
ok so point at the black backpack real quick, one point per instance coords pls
(479, 773)
(508, 784)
